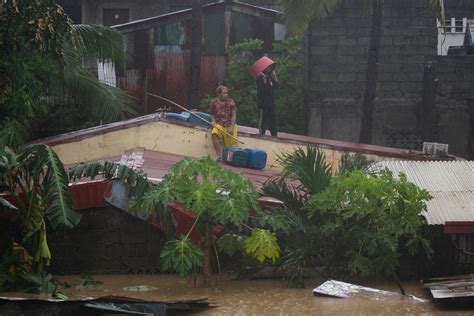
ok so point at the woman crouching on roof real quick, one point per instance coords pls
(224, 116)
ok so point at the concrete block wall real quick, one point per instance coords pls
(107, 240)
(409, 38)
(337, 64)
(455, 103)
(409, 35)
(459, 8)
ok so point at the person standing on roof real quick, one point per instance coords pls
(224, 116)
(265, 77)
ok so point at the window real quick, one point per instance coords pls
(454, 25)
(169, 34)
(451, 34)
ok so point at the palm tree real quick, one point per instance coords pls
(38, 185)
(305, 174)
(39, 199)
(42, 74)
(95, 42)
(75, 90)
(299, 14)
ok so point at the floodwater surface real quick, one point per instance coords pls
(258, 297)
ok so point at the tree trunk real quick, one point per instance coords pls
(206, 262)
(370, 91)
(427, 116)
(308, 80)
(196, 47)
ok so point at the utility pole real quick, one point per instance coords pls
(196, 49)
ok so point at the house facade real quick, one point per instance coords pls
(159, 49)
(449, 213)
(388, 60)
(112, 12)
(110, 239)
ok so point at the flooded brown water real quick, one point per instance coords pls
(258, 297)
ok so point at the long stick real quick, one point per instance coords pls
(192, 113)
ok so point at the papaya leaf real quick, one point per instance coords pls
(181, 255)
(262, 244)
(230, 244)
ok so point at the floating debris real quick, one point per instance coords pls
(86, 280)
(140, 288)
(154, 309)
(459, 286)
(348, 290)
(114, 304)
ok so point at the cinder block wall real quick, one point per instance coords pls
(455, 103)
(409, 38)
(107, 240)
(337, 66)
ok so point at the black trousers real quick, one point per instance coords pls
(267, 121)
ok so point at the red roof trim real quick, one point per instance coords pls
(88, 195)
(458, 228)
(248, 131)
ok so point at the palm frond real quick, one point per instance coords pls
(438, 7)
(277, 188)
(13, 133)
(136, 180)
(300, 13)
(98, 42)
(104, 102)
(8, 168)
(6, 206)
(7, 160)
(308, 167)
(351, 162)
(44, 163)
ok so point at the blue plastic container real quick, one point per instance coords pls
(257, 158)
(176, 117)
(186, 115)
(235, 156)
(198, 121)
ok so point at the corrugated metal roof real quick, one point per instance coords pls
(451, 183)
(156, 164)
(208, 8)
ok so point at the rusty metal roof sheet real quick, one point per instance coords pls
(156, 164)
(207, 9)
(89, 193)
(451, 183)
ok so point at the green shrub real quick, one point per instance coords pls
(349, 225)
(363, 219)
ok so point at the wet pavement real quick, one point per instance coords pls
(257, 297)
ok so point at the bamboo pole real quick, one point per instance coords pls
(194, 114)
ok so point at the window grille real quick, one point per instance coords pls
(403, 139)
(454, 26)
